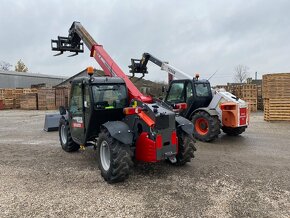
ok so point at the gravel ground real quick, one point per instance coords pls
(245, 176)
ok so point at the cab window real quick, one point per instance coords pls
(189, 92)
(109, 96)
(76, 103)
(87, 103)
(176, 93)
(201, 89)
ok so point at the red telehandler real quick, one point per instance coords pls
(111, 112)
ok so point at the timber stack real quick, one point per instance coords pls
(276, 95)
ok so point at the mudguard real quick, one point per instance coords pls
(185, 125)
(120, 131)
(210, 111)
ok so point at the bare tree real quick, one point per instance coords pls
(20, 66)
(5, 66)
(241, 73)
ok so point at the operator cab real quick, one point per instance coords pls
(93, 102)
(196, 93)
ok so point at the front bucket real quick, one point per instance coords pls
(51, 122)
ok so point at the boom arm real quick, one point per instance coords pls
(141, 66)
(72, 43)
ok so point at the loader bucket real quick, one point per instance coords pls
(51, 122)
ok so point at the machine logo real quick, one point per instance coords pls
(77, 122)
(171, 71)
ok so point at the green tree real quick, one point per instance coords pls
(20, 66)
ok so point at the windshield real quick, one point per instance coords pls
(109, 96)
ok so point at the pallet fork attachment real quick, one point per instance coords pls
(137, 67)
(63, 44)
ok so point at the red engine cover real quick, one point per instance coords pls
(145, 149)
(243, 116)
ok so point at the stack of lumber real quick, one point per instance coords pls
(28, 90)
(28, 98)
(46, 98)
(61, 96)
(234, 89)
(260, 104)
(6, 95)
(28, 101)
(248, 92)
(17, 93)
(276, 94)
(11, 97)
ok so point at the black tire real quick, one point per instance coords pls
(206, 127)
(234, 131)
(120, 160)
(65, 138)
(186, 149)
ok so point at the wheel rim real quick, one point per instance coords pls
(63, 134)
(105, 155)
(201, 126)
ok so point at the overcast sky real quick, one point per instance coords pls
(194, 36)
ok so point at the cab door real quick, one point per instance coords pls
(189, 99)
(76, 109)
(176, 92)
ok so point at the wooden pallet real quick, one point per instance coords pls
(28, 101)
(260, 104)
(26, 91)
(1, 93)
(8, 93)
(61, 97)
(16, 96)
(252, 103)
(12, 98)
(277, 109)
(276, 85)
(243, 90)
(46, 99)
(8, 103)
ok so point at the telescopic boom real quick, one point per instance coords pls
(73, 43)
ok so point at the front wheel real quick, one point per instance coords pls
(65, 137)
(186, 149)
(234, 131)
(206, 127)
(114, 158)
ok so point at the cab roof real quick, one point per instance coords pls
(100, 80)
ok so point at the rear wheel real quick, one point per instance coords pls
(114, 158)
(206, 127)
(65, 138)
(186, 149)
(234, 131)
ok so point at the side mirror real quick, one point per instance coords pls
(62, 110)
